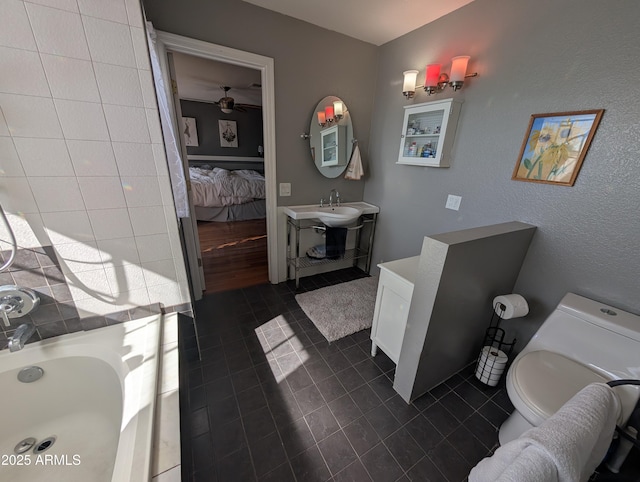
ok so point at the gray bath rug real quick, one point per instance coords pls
(342, 309)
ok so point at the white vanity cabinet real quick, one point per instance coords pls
(428, 132)
(333, 146)
(395, 289)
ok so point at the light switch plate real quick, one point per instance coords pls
(285, 189)
(453, 202)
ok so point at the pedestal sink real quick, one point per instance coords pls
(333, 216)
(336, 216)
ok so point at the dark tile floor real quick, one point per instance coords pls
(272, 400)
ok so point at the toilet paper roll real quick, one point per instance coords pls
(491, 365)
(515, 306)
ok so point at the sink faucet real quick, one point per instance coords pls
(331, 197)
(20, 336)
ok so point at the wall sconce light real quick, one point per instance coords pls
(331, 113)
(338, 109)
(436, 81)
(409, 84)
(322, 121)
(328, 114)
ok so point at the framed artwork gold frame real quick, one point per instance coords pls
(555, 146)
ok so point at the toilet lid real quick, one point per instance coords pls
(545, 381)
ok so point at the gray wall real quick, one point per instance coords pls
(532, 57)
(207, 115)
(301, 52)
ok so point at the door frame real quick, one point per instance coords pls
(176, 43)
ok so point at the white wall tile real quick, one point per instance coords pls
(118, 85)
(4, 130)
(134, 12)
(134, 159)
(132, 299)
(92, 158)
(15, 30)
(28, 116)
(118, 252)
(140, 49)
(159, 272)
(78, 291)
(127, 124)
(22, 73)
(69, 5)
(54, 194)
(68, 227)
(44, 157)
(148, 89)
(71, 79)
(109, 42)
(167, 294)
(141, 191)
(58, 32)
(153, 121)
(167, 195)
(9, 160)
(111, 223)
(148, 220)
(28, 230)
(16, 196)
(154, 247)
(102, 192)
(160, 159)
(89, 307)
(112, 10)
(82, 120)
(125, 278)
(79, 257)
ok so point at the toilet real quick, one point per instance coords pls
(581, 342)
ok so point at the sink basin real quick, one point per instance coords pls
(336, 216)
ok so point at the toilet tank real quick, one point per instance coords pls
(599, 336)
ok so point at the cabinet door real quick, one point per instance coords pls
(424, 131)
(333, 146)
(391, 321)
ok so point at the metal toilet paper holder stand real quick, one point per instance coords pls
(494, 338)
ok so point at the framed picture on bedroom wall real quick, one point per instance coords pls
(228, 133)
(189, 131)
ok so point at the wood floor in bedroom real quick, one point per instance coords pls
(234, 254)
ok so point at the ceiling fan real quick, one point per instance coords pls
(227, 104)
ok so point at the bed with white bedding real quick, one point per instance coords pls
(227, 195)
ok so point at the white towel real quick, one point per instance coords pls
(567, 447)
(354, 169)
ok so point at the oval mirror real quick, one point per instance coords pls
(331, 143)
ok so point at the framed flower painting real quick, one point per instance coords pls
(555, 146)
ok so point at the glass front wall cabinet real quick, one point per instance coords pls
(334, 151)
(428, 132)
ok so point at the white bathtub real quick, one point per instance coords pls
(97, 397)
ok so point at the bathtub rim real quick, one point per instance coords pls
(139, 383)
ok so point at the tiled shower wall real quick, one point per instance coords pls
(83, 174)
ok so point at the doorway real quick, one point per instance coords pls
(167, 42)
(227, 177)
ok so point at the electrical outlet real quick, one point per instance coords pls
(285, 189)
(453, 202)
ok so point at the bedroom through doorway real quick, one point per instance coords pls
(221, 124)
